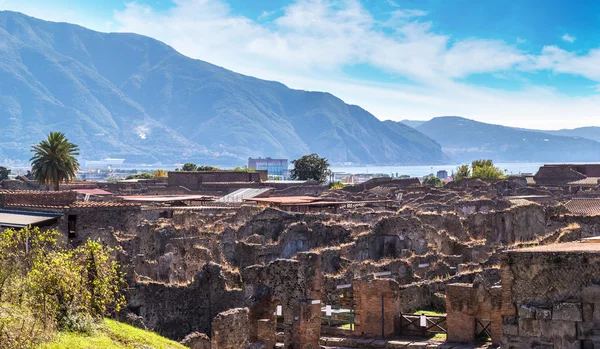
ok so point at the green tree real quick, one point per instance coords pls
(189, 167)
(462, 171)
(4, 172)
(433, 181)
(208, 168)
(143, 175)
(484, 169)
(310, 167)
(54, 161)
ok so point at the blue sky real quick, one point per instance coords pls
(520, 63)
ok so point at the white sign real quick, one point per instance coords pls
(383, 273)
(423, 321)
(315, 301)
(328, 310)
(424, 265)
(339, 287)
(279, 310)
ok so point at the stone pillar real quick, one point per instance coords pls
(230, 329)
(460, 317)
(375, 306)
(266, 331)
(496, 314)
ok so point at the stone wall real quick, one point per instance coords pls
(296, 286)
(193, 180)
(230, 329)
(177, 310)
(551, 299)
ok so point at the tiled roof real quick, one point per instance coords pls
(77, 204)
(53, 207)
(85, 204)
(593, 181)
(45, 192)
(584, 206)
(564, 247)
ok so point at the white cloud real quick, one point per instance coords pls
(265, 15)
(392, 3)
(568, 38)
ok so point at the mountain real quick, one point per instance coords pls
(133, 97)
(590, 132)
(413, 123)
(466, 140)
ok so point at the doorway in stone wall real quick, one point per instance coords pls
(339, 316)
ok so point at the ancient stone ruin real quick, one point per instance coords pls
(389, 263)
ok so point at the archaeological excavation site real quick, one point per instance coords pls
(227, 260)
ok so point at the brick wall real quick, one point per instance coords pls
(369, 296)
(230, 329)
(466, 304)
(194, 179)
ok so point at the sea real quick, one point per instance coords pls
(423, 170)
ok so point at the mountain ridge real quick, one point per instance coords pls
(127, 95)
(466, 140)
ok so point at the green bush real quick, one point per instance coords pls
(45, 286)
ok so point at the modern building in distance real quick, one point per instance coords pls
(442, 174)
(275, 167)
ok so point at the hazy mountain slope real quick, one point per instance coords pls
(590, 132)
(466, 140)
(413, 123)
(131, 96)
(418, 141)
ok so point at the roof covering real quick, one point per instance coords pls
(583, 206)
(287, 200)
(20, 219)
(166, 198)
(242, 194)
(589, 247)
(93, 192)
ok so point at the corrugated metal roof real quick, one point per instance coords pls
(20, 219)
(287, 199)
(166, 198)
(242, 194)
(584, 206)
(93, 192)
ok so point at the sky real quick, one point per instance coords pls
(526, 63)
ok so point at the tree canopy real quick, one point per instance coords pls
(484, 169)
(310, 167)
(189, 167)
(54, 161)
(4, 172)
(433, 181)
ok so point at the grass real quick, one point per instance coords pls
(429, 312)
(111, 335)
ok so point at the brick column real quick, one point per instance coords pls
(230, 329)
(374, 301)
(460, 317)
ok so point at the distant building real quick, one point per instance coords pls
(274, 167)
(442, 174)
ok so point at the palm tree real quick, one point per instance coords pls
(54, 160)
